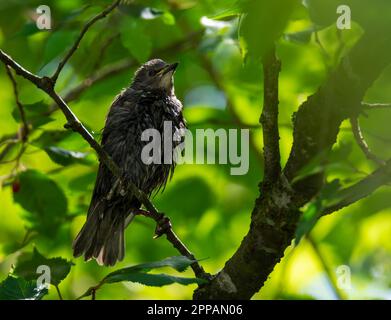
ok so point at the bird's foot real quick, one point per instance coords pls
(163, 225)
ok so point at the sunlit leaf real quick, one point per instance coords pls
(28, 263)
(148, 13)
(14, 288)
(233, 11)
(300, 36)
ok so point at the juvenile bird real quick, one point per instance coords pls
(147, 103)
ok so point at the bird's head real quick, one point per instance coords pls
(155, 74)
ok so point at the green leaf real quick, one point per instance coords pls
(83, 182)
(139, 273)
(263, 23)
(370, 14)
(27, 264)
(315, 208)
(67, 157)
(148, 13)
(13, 288)
(36, 114)
(57, 43)
(51, 137)
(314, 166)
(326, 161)
(322, 13)
(27, 30)
(302, 37)
(44, 201)
(307, 221)
(168, 18)
(179, 263)
(235, 10)
(153, 280)
(136, 40)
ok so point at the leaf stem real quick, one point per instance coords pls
(58, 292)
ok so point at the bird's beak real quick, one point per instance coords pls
(169, 68)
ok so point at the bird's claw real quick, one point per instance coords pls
(163, 225)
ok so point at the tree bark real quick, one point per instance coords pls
(277, 210)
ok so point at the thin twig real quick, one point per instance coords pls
(325, 54)
(58, 292)
(9, 144)
(93, 294)
(25, 126)
(269, 117)
(338, 293)
(362, 143)
(371, 106)
(71, 51)
(103, 50)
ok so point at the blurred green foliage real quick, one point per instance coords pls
(44, 194)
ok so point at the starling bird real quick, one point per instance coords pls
(148, 103)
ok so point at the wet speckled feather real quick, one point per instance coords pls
(134, 110)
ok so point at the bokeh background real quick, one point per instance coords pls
(220, 88)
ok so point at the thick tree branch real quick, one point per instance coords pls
(269, 118)
(84, 30)
(8, 61)
(276, 211)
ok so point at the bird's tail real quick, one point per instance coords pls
(102, 236)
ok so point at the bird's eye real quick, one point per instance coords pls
(151, 73)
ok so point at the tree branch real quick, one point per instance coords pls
(362, 189)
(269, 118)
(276, 211)
(371, 106)
(358, 136)
(25, 127)
(72, 50)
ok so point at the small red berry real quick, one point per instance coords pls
(16, 186)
